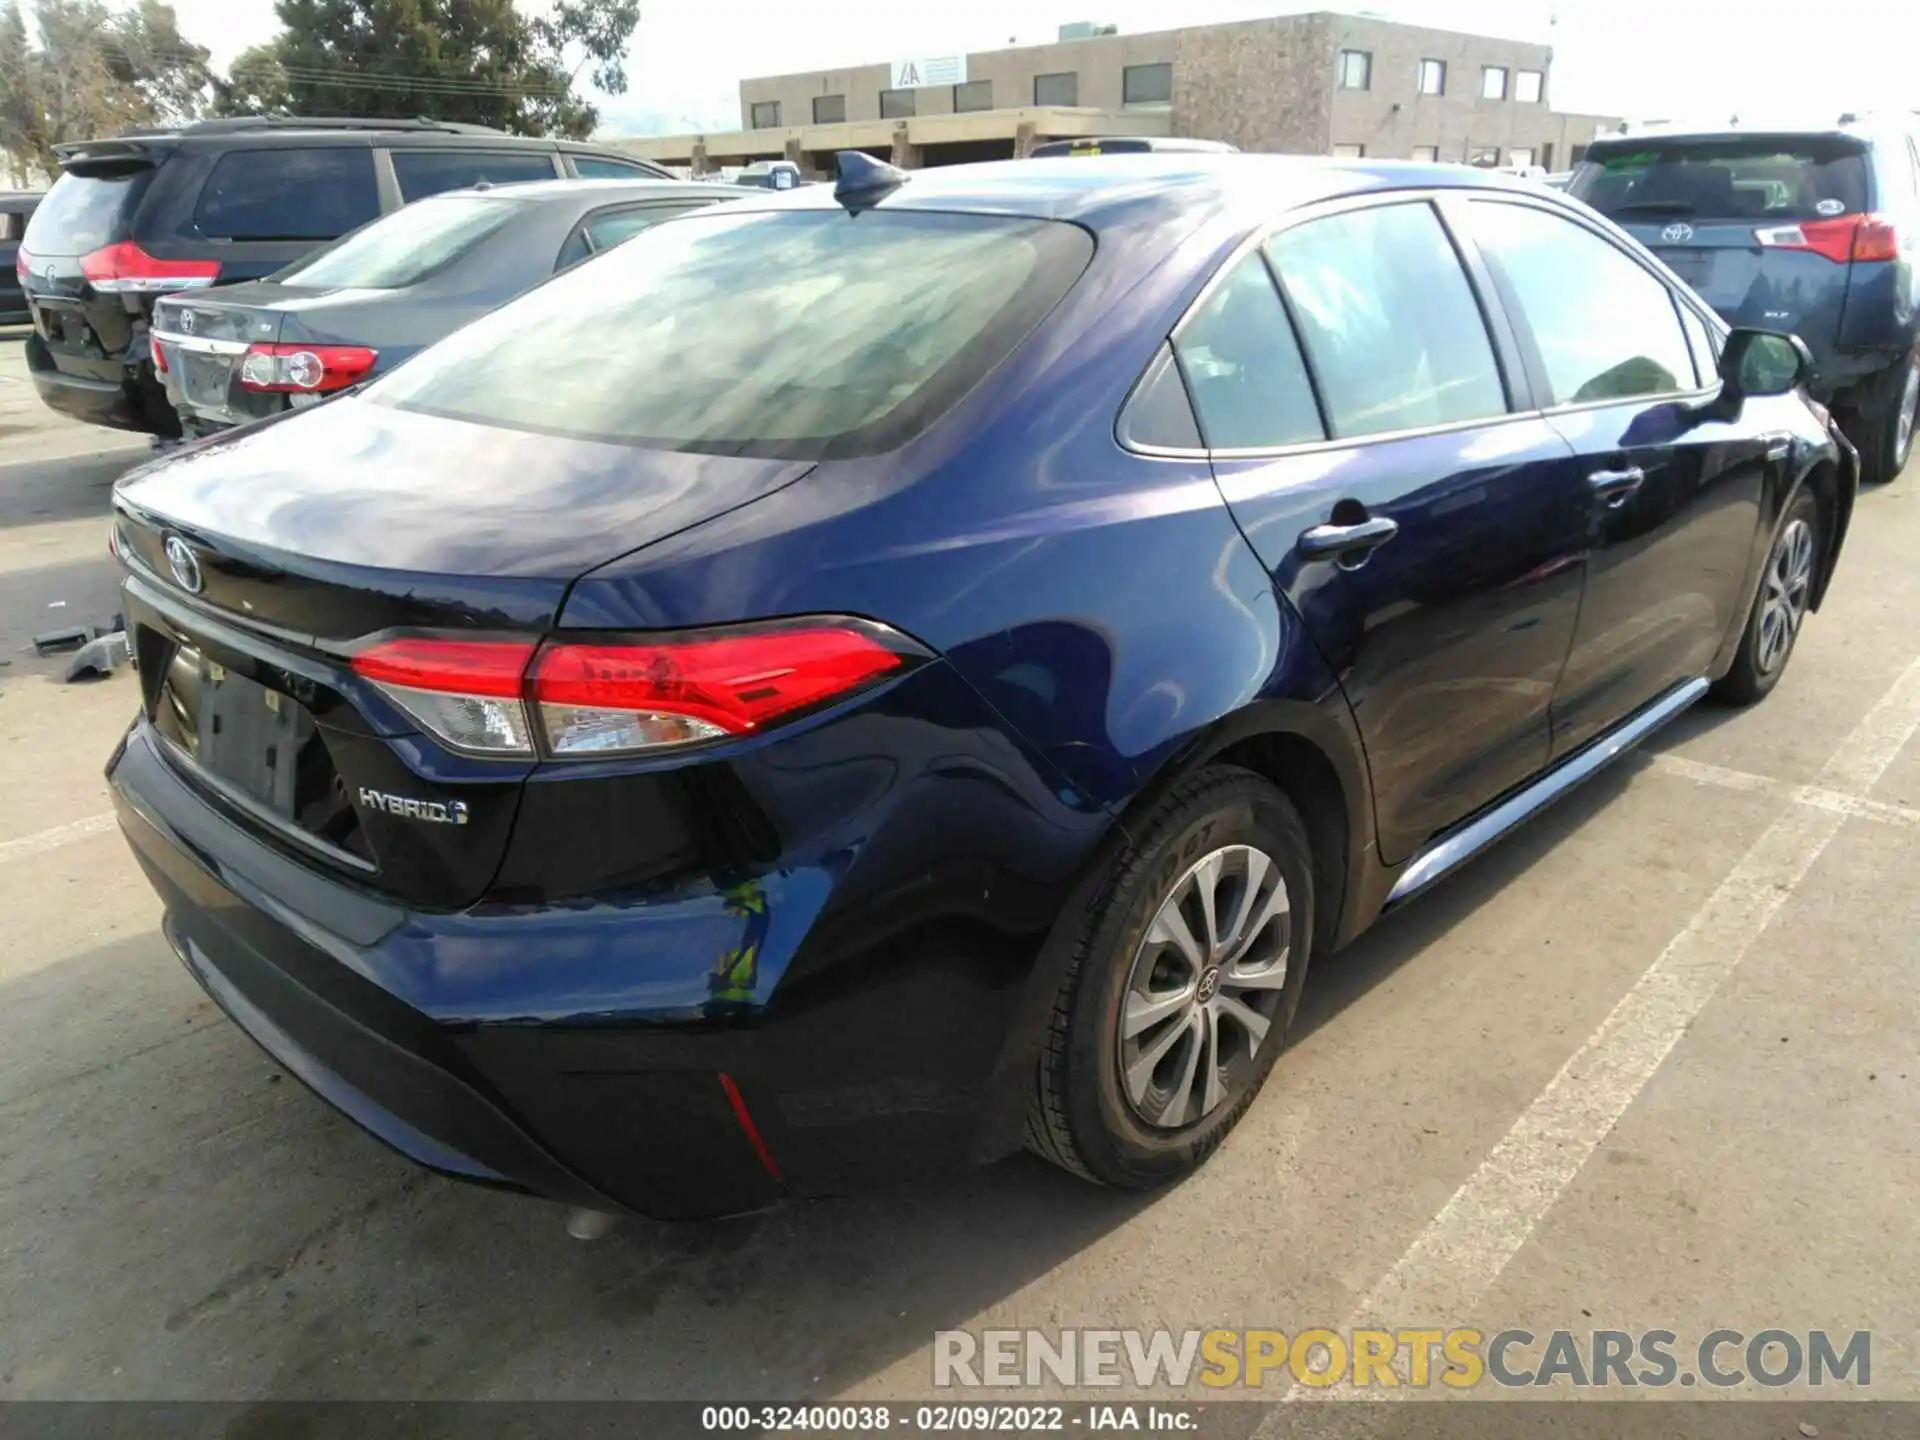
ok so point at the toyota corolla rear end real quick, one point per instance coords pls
(652, 909)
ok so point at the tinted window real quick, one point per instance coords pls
(896, 104)
(84, 212)
(404, 247)
(1146, 84)
(428, 172)
(973, 95)
(1243, 368)
(1389, 321)
(1159, 413)
(288, 194)
(800, 334)
(1604, 327)
(598, 167)
(1725, 179)
(829, 109)
(608, 228)
(766, 115)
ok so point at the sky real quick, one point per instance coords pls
(1690, 60)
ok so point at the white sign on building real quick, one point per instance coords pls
(939, 70)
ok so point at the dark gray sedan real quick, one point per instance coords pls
(389, 289)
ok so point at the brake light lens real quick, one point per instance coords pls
(126, 269)
(22, 264)
(495, 697)
(303, 369)
(1850, 237)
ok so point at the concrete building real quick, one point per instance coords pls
(1314, 84)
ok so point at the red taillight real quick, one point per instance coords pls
(611, 697)
(22, 264)
(159, 353)
(302, 369)
(126, 269)
(1849, 237)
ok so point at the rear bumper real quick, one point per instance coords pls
(564, 1050)
(133, 402)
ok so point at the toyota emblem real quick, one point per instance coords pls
(184, 564)
(186, 322)
(1677, 233)
(50, 275)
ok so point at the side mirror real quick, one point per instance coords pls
(1757, 363)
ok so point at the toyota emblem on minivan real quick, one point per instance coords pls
(184, 564)
(1677, 233)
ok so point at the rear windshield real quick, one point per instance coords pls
(405, 247)
(789, 334)
(1753, 178)
(83, 212)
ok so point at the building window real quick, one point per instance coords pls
(1146, 85)
(1527, 85)
(1486, 157)
(896, 104)
(829, 109)
(1060, 89)
(974, 95)
(1349, 152)
(1493, 82)
(1520, 155)
(1429, 153)
(1356, 70)
(766, 115)
(1576, 154)
(1433, 77)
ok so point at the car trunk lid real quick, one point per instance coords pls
(260, 564)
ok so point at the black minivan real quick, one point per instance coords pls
(219, 201)
(1813, 231)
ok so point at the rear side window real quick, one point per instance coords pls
(428, 172)
(608, 228)
(280, 194)
(405, 247)
(789, 334)
(1390, 324)
(81, 213)
(598, 167)
(1249, 385)
(1604, 328)
(1733, 178)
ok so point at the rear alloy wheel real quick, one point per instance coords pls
(1780, 609)
(1181, 985)
(1886, 444)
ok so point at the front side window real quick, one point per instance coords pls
(1146, 85)
(972, 95)
(1243, 367)
(1060, 89)
(1433, 77)
(766, 115)
(405, 247)
(1484, 157)
(797, 334)
(1604, 328)
(1493, 82)
(275, 194)
(896, 104)
(1527, 85)
(1356, 70)
(1389, 321)
(829, 109)
(429, 172)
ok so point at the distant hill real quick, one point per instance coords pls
(630, 115)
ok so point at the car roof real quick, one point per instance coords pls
(1098, 190)
(1865, 131)
(561, 189)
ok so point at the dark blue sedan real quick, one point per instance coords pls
(854, 682)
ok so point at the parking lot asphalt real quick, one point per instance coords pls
(1648, 1064)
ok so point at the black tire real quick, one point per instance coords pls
(1757, 667)
(1886, 441)
(1081, 1117)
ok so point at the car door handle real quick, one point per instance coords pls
(1617, 486)
(1779, 446)
(1333, 542)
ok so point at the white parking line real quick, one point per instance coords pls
(53, 839)
(1835, 800)
(1465, 1247)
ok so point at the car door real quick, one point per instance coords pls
(1369, 427)
(1674, 497)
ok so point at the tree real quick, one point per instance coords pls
(96, 71)
(479, 61)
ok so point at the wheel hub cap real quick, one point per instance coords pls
(1788, 585)
(1205, 988)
